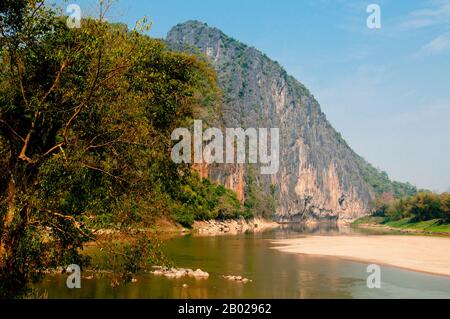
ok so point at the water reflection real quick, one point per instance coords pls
(275, 274)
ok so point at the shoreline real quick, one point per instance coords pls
(233, 226)
(409, 231)
(166, 228)
(429, 255)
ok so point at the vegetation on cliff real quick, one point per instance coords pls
(381, 183)
(259, 92)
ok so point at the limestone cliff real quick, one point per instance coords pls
(319, 176)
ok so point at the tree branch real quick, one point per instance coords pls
(23, 156)
(22, 88)
(76, 224)
(55, 83)
(52, 149)
(12, 130)
(37, 8)
(90, 147)
(83, 104)
(105, 172)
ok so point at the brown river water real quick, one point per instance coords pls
(274, 274)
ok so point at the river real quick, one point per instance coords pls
(274, 274)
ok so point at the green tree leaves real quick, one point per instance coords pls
(85, 122)
(423, 206)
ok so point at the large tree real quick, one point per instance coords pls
(85, 122)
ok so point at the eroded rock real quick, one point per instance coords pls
(180, 273)
(238, 279)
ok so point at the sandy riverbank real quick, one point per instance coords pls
(417, 253)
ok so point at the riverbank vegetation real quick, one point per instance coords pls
(381, 183)
(86, 116)
(423, 212)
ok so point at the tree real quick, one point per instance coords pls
(85, 122)
(381, 204)
(57, 113)
(11, 16)
(445, 207)
(425, 206)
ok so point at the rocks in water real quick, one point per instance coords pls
(238, 279)
(197, 274)
(115, 283)
(179, 273)
(233, 226)
(54, 271)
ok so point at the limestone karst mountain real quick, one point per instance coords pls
(320, 176)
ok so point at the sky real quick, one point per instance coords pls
(386, 90)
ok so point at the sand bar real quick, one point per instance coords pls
(417, 253)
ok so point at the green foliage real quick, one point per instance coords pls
(381, 204)
(421, 207)
(433, 226)
(199, 199)
(129, 256)
(368, 220)
(257, 202)
(85, 122)
(424, 206)
(381, 183)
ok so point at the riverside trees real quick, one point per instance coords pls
(420, 207)
(85, 122)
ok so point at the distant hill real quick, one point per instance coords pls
(320, 176)
(381, 183)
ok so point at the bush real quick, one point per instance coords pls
(200, 199)
(421, 207)
(445, 207)
(425, 206)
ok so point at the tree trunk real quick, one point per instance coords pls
(11, 201)
(9, 217)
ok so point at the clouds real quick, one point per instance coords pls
(423, 146)
(438, 45)
(401, 128)
(435, 17)
(437, 13)
(385, 90)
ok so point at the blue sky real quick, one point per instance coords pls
(387, 91)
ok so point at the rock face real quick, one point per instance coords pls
(319, 177)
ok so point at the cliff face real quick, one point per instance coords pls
(319, 177)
